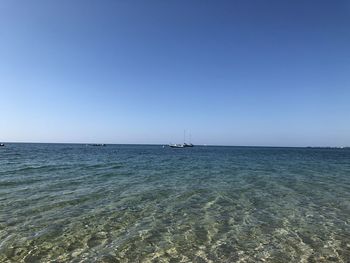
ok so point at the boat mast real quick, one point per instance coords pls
(184, 136)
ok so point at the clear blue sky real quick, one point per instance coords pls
(233, 72)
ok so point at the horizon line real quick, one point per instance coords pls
(162, 144)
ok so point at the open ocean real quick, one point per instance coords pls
(139, 203)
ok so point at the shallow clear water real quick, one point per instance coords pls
(123, 203)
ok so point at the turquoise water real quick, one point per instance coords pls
(123, 203)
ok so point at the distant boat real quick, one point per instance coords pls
(2, 144)
(177, 145)
(96, 144)
(190, 140)
(182, 145)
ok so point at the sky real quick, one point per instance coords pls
(265, 73)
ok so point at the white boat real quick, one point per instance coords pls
(177, 145)
(182, 145)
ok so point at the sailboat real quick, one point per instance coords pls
(177, 145)
(189, 144)
(182, 145)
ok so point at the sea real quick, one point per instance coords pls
(149, 203)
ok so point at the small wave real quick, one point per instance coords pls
(116, 166)
(110, 174)
(98, 165)
(19, 182)
(46, 168)
(103, 166)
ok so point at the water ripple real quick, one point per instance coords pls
(72, 203)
